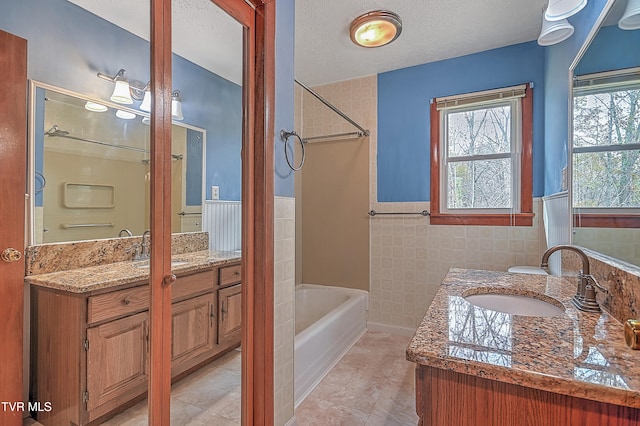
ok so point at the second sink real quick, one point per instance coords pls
(531, 304)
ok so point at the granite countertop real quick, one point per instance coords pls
(92, 278)
(575, 353)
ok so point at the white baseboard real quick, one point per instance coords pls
(391, 329)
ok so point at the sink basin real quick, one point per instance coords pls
(527, 304)
(145, 264)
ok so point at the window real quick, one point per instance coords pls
(606, 149)
(481, 171)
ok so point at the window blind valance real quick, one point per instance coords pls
(608, 81)
(476, 98)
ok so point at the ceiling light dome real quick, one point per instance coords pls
(375, 29)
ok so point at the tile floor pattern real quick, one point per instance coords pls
(372, 385)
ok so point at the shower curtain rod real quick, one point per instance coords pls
(55, 131)
(362, 132)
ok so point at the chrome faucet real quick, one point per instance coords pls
(146, 245)
(585, 297)
(136, 248)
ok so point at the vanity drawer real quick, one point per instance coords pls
(117, 303)
(191, 285)
(230, 275)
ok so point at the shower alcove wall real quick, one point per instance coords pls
(333, 187)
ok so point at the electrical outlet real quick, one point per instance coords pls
(215, 192)
(564, 179)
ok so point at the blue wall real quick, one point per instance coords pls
(403, 112)
(558, 59)
(284, 112)
(68, 46)
(611, 49)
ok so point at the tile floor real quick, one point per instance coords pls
(373, 385)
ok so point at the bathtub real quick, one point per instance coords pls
(328, 321)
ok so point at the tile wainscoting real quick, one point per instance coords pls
(284, 297)
(410, 257)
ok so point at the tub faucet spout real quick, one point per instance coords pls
(585, 297)
(126, 232)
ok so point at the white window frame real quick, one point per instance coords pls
(502, 97)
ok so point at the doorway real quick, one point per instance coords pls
(257, 194)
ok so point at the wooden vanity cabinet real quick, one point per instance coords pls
(117, 358)
(90, 352)
(229, 306)
(193, 337)
(446, 397)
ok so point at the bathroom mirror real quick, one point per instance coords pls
(605, 177)
(91, 163)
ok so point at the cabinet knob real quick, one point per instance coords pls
(169, 279)
(126, 301)
(236, 273)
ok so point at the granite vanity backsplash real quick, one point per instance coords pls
(622, 281)
(46, 258)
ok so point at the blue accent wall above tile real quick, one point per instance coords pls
(403, 112)
(611, 49)
(68, 46)
(558, 59)
(284, 112)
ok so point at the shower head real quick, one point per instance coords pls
(55, 131)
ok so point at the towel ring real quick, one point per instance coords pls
(284, 135)
(39, 177)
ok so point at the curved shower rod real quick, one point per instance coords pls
(363, 131)
(55, 131)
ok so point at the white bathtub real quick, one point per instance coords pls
(329, 320)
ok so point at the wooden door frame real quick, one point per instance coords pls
(13, 148)
(258, 19)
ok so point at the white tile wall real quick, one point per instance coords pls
(621, 243)
(284, 297)
(358, 98)
(410, 257)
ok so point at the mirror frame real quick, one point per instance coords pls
(587, 42)
(31, 193)
(259, 20)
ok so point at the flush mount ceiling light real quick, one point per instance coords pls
(375, 29)
(562, 9)
(631, 18)
(554, 32)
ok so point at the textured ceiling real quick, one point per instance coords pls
(202, 32)
(432, 30)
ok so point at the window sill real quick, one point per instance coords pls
(606, 221)
(519, 219)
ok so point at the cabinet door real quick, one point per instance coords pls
(230, 315)
(117, 360)
(193, 331)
